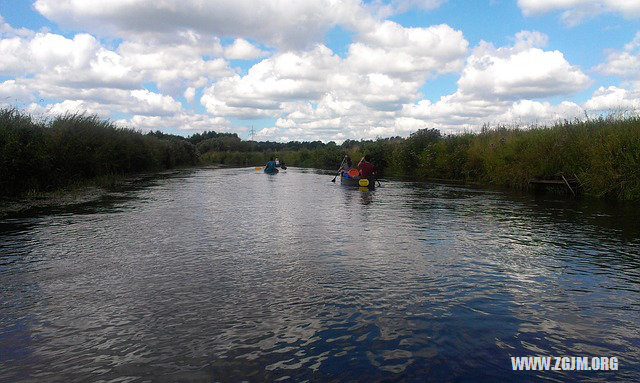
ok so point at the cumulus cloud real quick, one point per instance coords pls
(14, 92)
(176, 66)
(77, 62)
(395, 50)
(181, 121)
(529, 111)
(575, 11)
(383, 70)
(284, 77)
(75, 106)
(12, 57)
(279, 23)
(501, 85)
(80, 62)
(625, 63)
(84, 72)
(520, 71)
(190, 94)
(374, 90)
(243, 50)
(614, 99)
(7, 30)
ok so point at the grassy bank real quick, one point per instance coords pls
(48, 155)
(602, 155)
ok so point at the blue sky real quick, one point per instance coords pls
(321, 69)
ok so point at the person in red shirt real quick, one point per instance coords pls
(366, 167)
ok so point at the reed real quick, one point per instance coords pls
(603, 154)
(47, 155)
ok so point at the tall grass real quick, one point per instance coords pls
(46, 155)
(602, 154)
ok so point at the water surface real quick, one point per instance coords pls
(231, 275)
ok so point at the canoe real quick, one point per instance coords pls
(359, 182)
(271, 171)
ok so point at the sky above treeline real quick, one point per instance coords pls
(321, 69)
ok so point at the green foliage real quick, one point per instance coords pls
(47, 155)
(603, 154)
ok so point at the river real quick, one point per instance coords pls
(231, 274)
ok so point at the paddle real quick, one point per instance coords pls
(334, 178)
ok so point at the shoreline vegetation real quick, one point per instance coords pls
(601, 155)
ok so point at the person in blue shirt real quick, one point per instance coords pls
(271, 166)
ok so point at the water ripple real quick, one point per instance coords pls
(229, 275)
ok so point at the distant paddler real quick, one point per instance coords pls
(345, 166)
(367, 169)
(271, 168)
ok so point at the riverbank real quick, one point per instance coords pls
(600, 157)
(88, 191)
(47, 155)
(80, 192)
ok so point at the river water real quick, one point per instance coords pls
(232, 275)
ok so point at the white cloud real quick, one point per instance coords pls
(175, 66)
(266, 132)
(180, 121)
(243, 50)
(405, 5)
(500, 85)
(383, 70)
(77, 106)
(528, 111)
(158, 52)
(368, 94)
(12, 56)
(530, 39)
(7, 30)
(395, 50)
(94, 100)
(575, 11)
(279, 23)
(284, 77)
(77, 62)
(190, 94)
(14, 92)
(153, 104)
(521, 71)
(81, 69)
(624, 63)
(614, 99)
